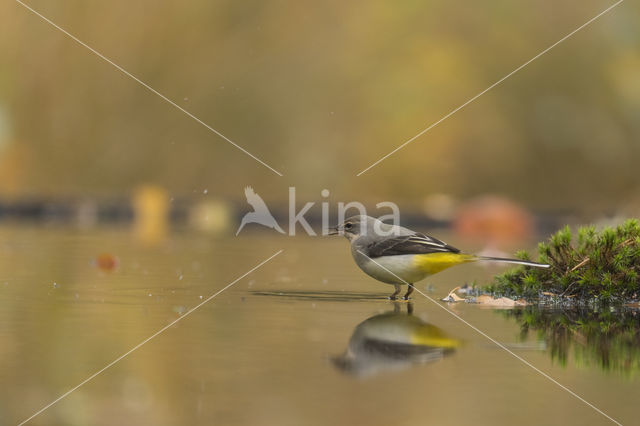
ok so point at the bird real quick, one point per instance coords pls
(260, 213)
(393, 341)
(399, 256)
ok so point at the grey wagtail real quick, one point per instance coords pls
(396, 255)
(393, 341)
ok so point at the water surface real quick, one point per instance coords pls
(306, 339)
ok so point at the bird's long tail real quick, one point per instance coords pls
(515, 261)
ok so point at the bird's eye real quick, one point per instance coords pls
(348, 226)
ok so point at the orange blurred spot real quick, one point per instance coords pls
(494, 219)
(107, 262)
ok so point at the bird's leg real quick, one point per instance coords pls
(410, 308)
(409, 291)
(395, 294)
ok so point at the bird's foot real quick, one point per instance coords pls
(394, 295)
(409, 291)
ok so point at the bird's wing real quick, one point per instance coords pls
(255, 200)
(409, 244)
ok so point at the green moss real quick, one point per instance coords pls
(601, 265)
(608, 338)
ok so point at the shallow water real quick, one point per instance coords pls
(305, 339)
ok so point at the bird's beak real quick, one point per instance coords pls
(334, 231)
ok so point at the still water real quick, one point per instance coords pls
(307, 339)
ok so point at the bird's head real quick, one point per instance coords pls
(356, 226)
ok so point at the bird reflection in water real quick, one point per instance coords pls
(393, 341)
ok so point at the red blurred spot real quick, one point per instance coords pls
(107, 262)
(495, 220)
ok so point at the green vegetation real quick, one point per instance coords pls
(603, 266)
(604, 337)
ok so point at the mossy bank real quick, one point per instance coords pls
(592, 265)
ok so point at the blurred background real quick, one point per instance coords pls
(118, 211)
(319, 91)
